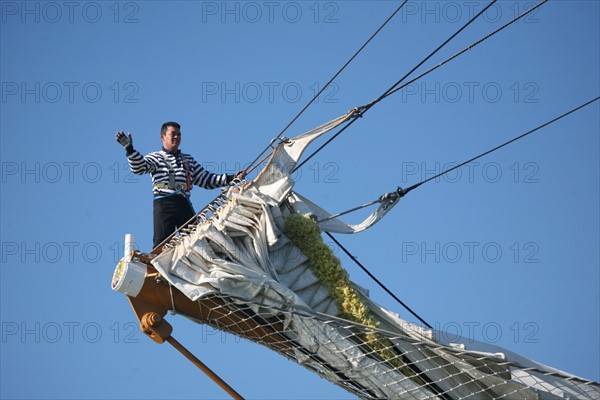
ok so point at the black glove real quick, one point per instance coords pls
(125, 141)
(240, 174)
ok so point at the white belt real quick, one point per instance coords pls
(165, 185)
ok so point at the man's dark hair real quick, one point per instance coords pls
(164, 127)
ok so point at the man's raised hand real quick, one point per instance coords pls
(125, 140)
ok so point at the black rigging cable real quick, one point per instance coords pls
(393, 89)
(405, 191)
(464, 50)
(388, 291)
(331, 80)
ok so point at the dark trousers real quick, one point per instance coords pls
(169, 214)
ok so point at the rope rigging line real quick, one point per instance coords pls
(381, 285)
(381, 199)
(363, 109)
(387, 92)
(330, 81)
(393, 89)
(466, 49)
(401, 192)
(405, 191)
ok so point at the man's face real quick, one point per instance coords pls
(171, 139)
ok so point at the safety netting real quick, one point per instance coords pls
(380, 364)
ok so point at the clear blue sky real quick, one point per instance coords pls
(506, 251)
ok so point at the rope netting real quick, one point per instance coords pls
(376, 364)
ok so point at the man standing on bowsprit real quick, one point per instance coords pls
(173, 174)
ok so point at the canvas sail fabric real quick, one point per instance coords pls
(241, 253)
(276, 181)
(301, 205)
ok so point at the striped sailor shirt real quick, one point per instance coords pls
(174, 173)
